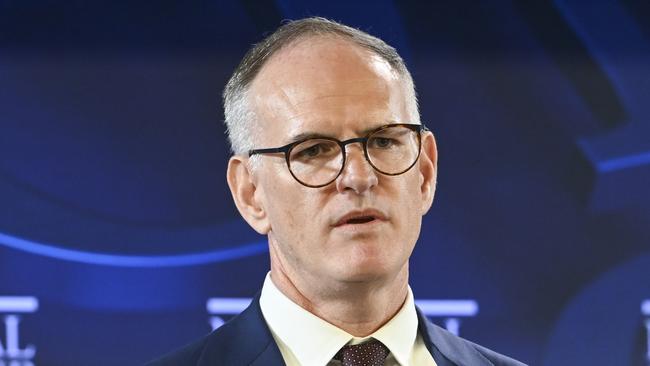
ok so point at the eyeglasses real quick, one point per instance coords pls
(316, 162)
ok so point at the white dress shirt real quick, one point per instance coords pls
(307, 340)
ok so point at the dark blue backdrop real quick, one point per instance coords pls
(115, 215)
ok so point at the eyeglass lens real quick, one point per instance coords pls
(391, 151)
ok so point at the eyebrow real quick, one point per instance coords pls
(308, 135)
(315, 135)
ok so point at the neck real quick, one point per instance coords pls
(357, 307)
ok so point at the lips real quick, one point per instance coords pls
(360, 217)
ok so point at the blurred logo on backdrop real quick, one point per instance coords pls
(11, 310)
(450, 312)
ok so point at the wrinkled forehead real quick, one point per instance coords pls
(326, 77)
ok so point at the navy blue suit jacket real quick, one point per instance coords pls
(247, 340)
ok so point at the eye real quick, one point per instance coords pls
(381, 142)
(309, 150)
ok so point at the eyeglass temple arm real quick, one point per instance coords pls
(282, 149)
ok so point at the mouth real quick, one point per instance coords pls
(360, 218)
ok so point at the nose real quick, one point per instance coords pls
(357, 175)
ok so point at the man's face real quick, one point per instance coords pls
(330, 87)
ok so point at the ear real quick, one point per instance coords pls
(428, 170)
(246, 195)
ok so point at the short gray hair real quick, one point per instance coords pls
(242, 130)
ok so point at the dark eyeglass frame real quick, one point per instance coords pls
(286, 149)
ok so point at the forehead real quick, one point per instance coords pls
(325, 84)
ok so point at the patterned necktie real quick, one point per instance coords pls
(371, 353)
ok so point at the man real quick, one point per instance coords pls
(332, 164)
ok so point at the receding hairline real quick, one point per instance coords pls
(297, 31)
(239, 116)
(285, 50)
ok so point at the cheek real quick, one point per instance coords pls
(409, 200)
(291, 212)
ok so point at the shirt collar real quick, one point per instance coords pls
(400, 332)
(316, 342)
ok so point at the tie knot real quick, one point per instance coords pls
(371, 353)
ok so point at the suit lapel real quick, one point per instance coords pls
(448, 349)
(244, 340)
(271, 356)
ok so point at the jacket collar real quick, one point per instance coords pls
(245, 340)
(446, 348)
